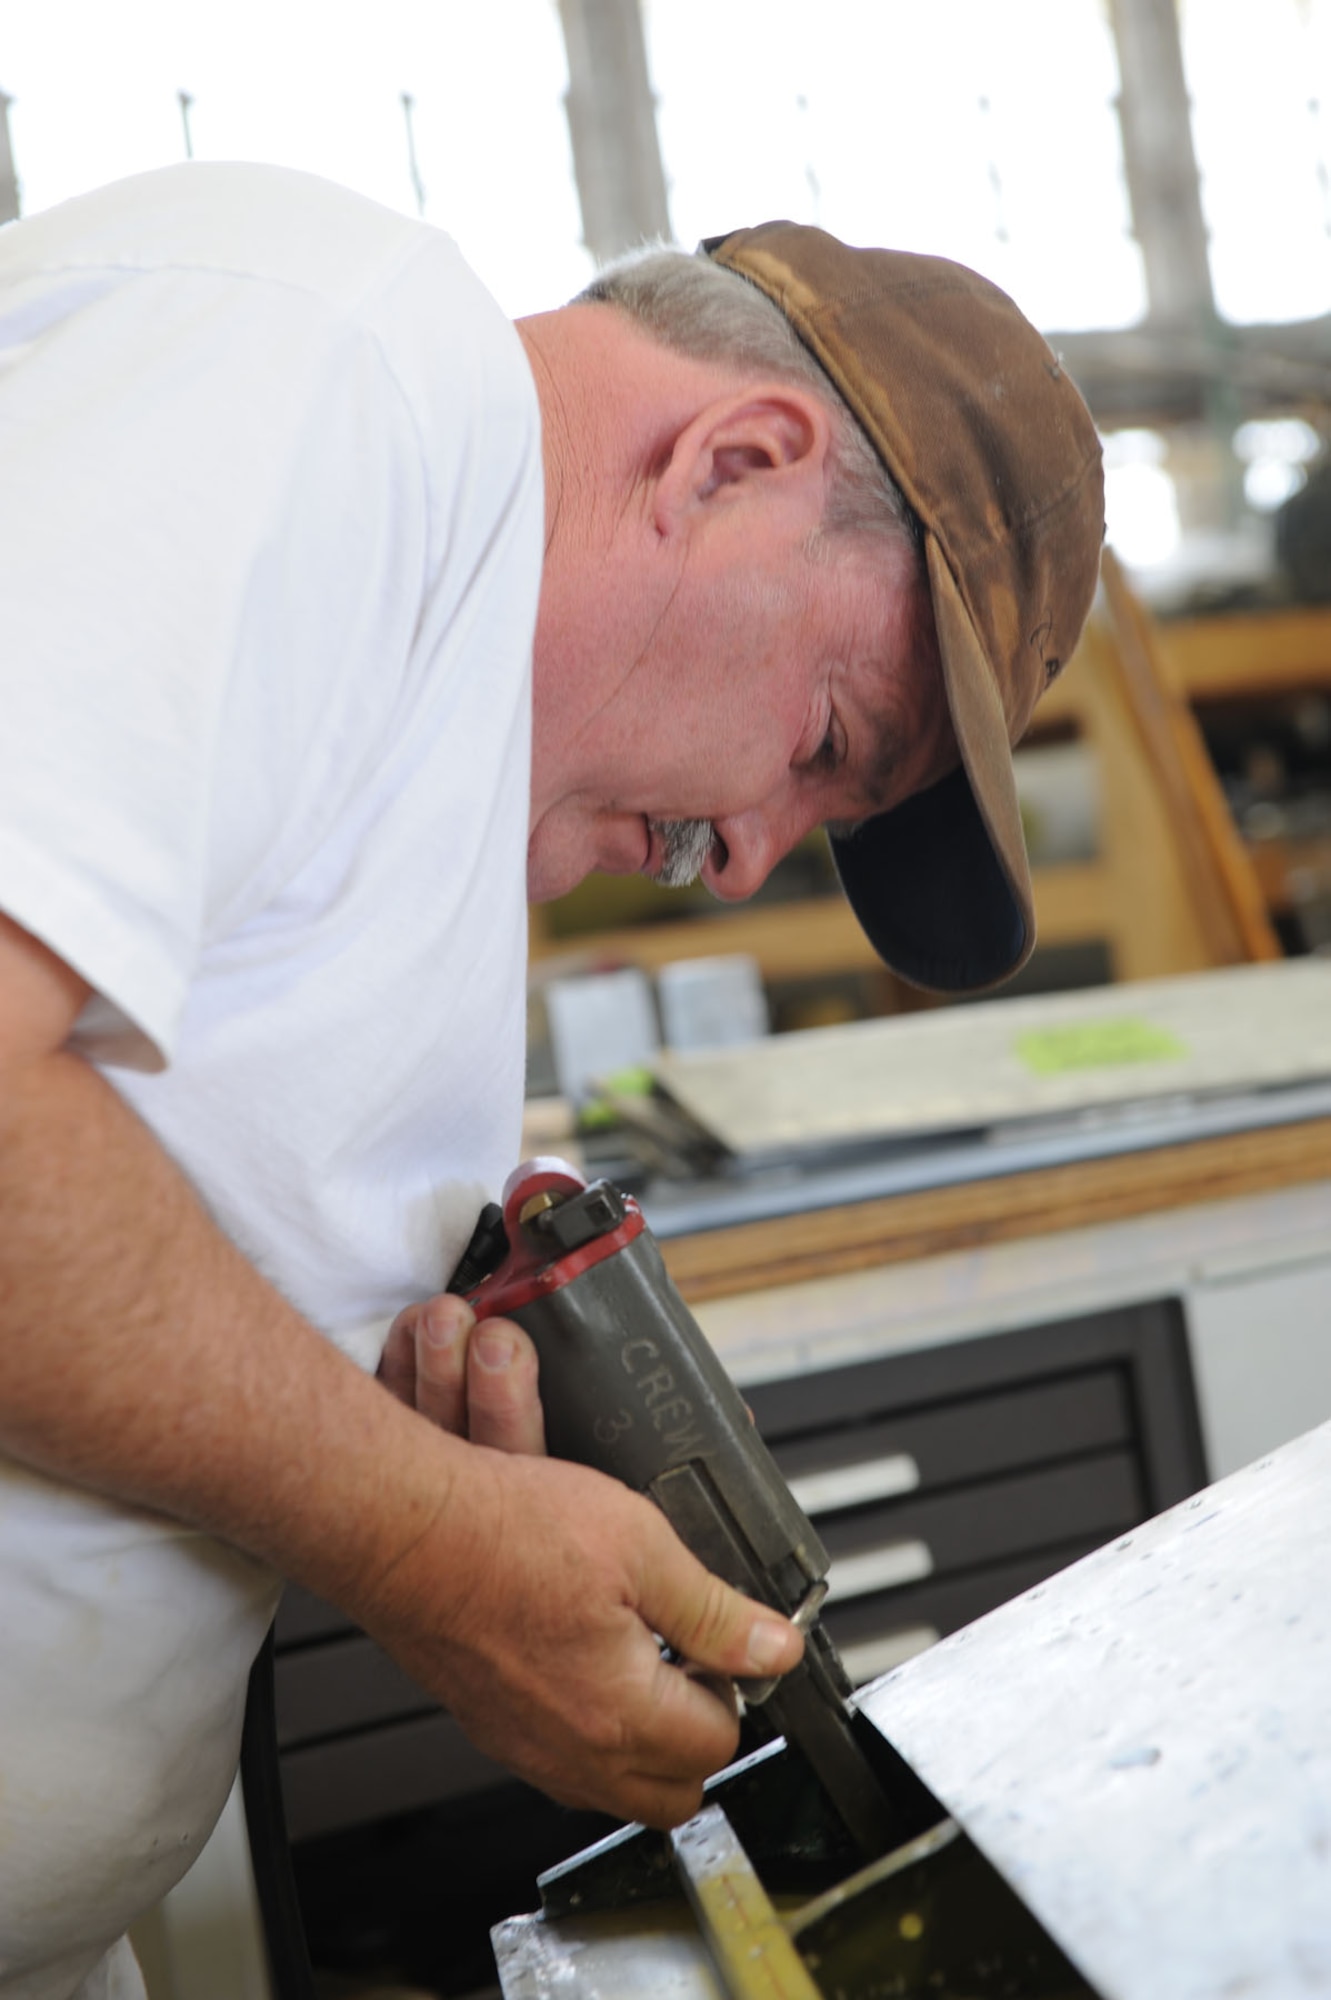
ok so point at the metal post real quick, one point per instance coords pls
(9, 187)
(1161, 164)
(413, 164)
(1165, 196)
(612, 125)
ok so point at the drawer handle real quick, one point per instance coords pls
(883, 1568)
(855, 1484)
(872, 1657)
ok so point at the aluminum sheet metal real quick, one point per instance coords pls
(1007, 1064)
(612, 1956)
(1142, 1745)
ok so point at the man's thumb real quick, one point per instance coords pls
(719, 1628)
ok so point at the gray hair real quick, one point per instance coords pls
(703, 310)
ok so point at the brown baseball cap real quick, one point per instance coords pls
(995, 451)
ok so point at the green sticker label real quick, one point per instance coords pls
(1096, 1045)
(599, 1114)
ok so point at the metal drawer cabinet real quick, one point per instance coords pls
(947, 1480)
(357, 1739)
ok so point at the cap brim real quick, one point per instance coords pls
(941, 884)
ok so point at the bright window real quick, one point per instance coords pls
(300, 83)
(981, 129)
(1259, 74)
(984, 129)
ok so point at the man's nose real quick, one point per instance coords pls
(751, 845)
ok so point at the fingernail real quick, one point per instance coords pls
(447, 1321)
(769, 1646)
(494, 1349)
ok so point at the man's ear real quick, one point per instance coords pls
(765, 440)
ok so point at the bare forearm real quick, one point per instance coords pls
(142, 1356)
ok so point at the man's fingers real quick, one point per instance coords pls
(659, 1802)
(649, 1797)
(715, 1627)
(564, 1680)
(718, 1685)
(701, 1715)
(479, 1382)
(693, 1731)
(443, 1333)
(503, 1393)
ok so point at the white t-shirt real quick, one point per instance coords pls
(270, 543)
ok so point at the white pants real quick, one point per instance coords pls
(116, 1977)
(125, 1648)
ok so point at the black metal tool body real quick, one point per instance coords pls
(631, 1386)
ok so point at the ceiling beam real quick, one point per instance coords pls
(1147, 374)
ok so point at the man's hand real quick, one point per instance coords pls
(529, 1605)
(480, 1382)
(142, 1357)
(549, 1659)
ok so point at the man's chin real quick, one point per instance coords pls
(547, 885)
(554, 874)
